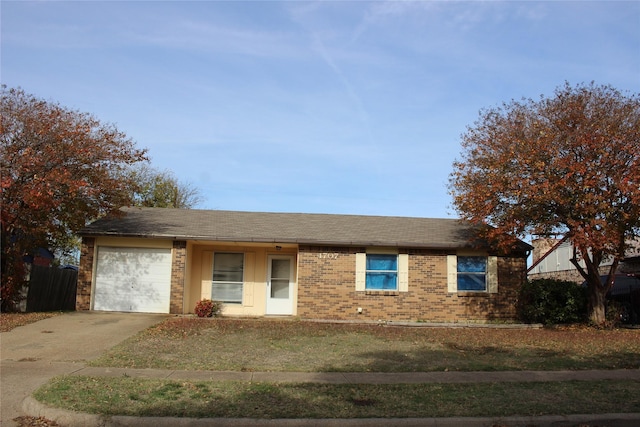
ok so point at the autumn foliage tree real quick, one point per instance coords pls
(568, 164)
(60, 169)
(162, 189)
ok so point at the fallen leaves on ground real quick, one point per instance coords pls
(35, 422)
(9, 321)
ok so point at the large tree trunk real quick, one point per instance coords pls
(596, 290)
(596, 299)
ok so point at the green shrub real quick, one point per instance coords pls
(617, 313)
(551, 301)
(208, 308)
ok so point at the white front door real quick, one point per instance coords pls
(280, 284)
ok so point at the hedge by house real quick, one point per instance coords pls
(551, 301)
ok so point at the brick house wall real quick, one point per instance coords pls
(576, 277)
(326, 289)
(85, 274)
(178, 271)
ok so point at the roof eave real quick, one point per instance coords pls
(315, 242)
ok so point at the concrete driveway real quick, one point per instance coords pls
(33, 354)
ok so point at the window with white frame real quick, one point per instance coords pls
(472, 273)
(380, 271)
(228, 277)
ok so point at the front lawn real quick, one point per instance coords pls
(163, 398)
(187, 343)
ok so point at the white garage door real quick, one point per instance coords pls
(133, 279)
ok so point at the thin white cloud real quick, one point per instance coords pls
(380, 13)
(57, 26)
(344, 81)
(187, 34)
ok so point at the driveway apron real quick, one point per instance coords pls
(33, 354)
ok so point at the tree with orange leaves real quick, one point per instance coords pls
(60, 169)
(568, 164)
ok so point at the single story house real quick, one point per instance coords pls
(313, 266)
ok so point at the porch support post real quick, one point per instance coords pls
(178, 273)
(85, 274)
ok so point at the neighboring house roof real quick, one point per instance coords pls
(329, 229)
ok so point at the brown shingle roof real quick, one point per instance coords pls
(329, 229)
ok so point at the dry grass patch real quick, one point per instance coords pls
(283, 345)
(164, 398)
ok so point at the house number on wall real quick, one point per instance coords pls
(328, 255)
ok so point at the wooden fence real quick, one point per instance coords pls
(52, 289)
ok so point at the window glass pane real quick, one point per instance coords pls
(227, 277)
(382, 262)
(280, 288)
(382, 272)
(280, 268)
(227, 267)
(472, 264)
(472, 273)
(226, 292)
(471, 282)
(382, 281)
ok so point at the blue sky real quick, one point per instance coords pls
(330, 107)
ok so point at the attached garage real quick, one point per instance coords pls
(133, 279)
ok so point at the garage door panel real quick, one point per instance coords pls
(133, 279)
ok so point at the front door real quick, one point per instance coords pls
(280, 284)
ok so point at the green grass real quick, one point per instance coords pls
(268, 345)
(147, 397)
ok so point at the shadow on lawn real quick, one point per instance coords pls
(269, 400)
(458, 357)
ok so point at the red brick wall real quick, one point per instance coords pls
(326, 289)
(178, 268)
(85, 274)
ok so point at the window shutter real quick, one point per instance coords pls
(452, 273)
(492, 274)
(361, 271)
(403, 272)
